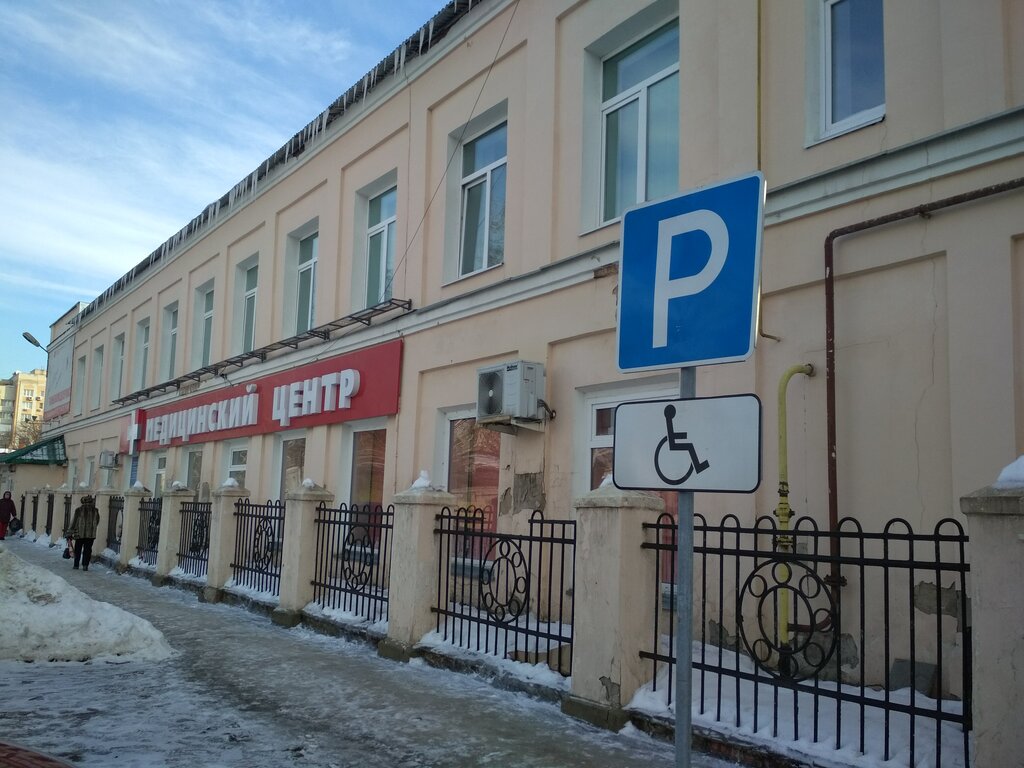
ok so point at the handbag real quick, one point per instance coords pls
(67, 550)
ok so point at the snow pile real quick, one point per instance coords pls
(46, 619)
(1012, 476)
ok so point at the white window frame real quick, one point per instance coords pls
(445, 417)
(143, 338)
(638, 26)
(117, 367)
(96, 382)
(197, 451)
(590, 399)
(386, 228)
(482, 177)
(640, 93)
(819, 126)
(249, 307)
(454, 188)
(159, 472)
(169, 348)
(228, 465)
(202, 328)
(308, 313)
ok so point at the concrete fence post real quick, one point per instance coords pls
(298, 558)
(35, 521)
(130, 522)
(413, 583)
(222, 540)
(103, 505)
(995, 522)
(170, 533)
(615, 596)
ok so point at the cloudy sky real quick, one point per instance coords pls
(121, 119)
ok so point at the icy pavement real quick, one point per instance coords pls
(240, 691)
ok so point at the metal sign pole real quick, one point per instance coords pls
(684, 599)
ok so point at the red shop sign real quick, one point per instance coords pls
(358, 385)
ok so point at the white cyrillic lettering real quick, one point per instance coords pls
(249, 408)
(329, 385)
(347, 387)
(280, 410)
(311, 396)
(295, 399)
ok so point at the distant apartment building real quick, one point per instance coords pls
(21, 408)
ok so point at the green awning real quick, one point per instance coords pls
(49, 451)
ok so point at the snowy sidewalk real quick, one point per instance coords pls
(244, 692)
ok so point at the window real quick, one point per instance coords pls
(202, 338)
(96, 382)
(293, 458)
(141, 353)
(117, 367)
(72, 473)
(30, 393)
(90, 469)
(472, 461)
(159, 473)
(170, 340)
(237, 458)
(483, 201)
(640, 122)
(306, 284)
(194, 469)
(852, 65)
(79, 391)
(368, 452)
(249, 308)
(380, 246)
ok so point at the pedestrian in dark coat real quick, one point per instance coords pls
(83, 531)
(7, 511)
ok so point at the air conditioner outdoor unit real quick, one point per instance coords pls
(509, 391)
(108, 459)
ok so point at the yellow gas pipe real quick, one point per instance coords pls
(785, 541)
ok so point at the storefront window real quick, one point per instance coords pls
(237, 460)
(194, 469)
(368, 466)
(473, 456)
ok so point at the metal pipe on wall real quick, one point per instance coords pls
(925, 210)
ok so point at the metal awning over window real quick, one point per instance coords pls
(49, 451)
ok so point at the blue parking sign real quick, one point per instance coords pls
(689, 277)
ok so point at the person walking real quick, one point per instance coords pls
(7, 511)
(83, 531)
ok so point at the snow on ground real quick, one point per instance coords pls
(46, 619)
(795, 734)
(244, 693)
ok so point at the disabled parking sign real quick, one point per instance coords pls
(689, 277)
(690, 444)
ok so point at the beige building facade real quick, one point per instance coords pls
(453, 222)
(480, 190)
(21, 408)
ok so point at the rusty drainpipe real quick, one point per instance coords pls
(834, 579)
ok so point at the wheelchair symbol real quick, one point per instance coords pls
(677, 443)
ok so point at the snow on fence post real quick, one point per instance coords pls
(414, 553)
(995, 522)
(130, 520)
(613, 603)
(299, 555)
(170, 533)
(222, 540)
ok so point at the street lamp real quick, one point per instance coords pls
(31, 339)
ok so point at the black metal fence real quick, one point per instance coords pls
(507, 595)
(115, 522)
(194, 541)
(353, 559)
(35, 510)
(149, 529)
(259, 536)
(49, 514)
(859, 641)
(67, 514)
